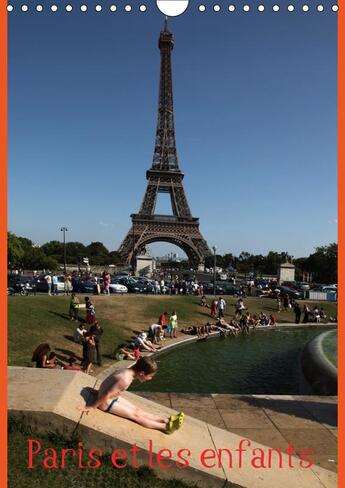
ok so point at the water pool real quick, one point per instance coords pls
(266, 362)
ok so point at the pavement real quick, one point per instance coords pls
(272, 420)
(214, 424)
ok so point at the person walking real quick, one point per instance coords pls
(97, 331)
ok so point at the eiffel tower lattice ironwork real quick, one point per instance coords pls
(165, 176)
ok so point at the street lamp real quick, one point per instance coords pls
(64, 230)
(214, 249)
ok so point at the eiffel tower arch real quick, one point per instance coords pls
(165, 176)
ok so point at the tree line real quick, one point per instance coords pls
(321, 265)
(24, 254)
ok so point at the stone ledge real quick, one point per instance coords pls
(57, 394)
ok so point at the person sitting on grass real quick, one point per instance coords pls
(74, 307)
(42, 357)
(203, 302)
(52, 361)
(72, 364)
(79, 333)
(109, 398)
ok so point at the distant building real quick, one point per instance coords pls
(145, 265)
(286, 272)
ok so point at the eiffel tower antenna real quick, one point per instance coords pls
(165, 176)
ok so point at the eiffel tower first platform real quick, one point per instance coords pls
(165, 176)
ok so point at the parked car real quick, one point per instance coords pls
(41, 284)
(285, 290)
(132, 284)
(116, 287)
(84, 286)
(326, 289)
(147, 283)
(221, 289)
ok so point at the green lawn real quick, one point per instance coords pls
(106, 476)
(36, 319)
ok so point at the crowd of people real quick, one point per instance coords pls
(88, 332)
(89, 339)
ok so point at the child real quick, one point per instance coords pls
(137, 352)
(109, 398)
(173, 324)
(90, 311)
(122, 353)
(73, 307)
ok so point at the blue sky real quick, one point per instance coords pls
(255, 118)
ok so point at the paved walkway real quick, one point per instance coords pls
(246, 415)
(304, 421)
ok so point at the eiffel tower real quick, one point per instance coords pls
(165, 176)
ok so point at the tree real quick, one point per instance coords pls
(54, 249)
(97, 253)
(75, 252)
(15, 251)
(323, 264)
(115, 257)
(35, 258)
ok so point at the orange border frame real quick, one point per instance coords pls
(3, 240)
(341, 239)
